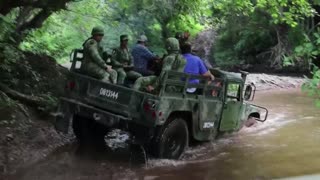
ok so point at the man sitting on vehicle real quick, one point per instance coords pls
(93, 64)
(194, 66)
(122, 61)
(142, 56)
(173, 61)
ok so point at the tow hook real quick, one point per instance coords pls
(97, 117)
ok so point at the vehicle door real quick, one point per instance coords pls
(210, 106)
(232, 107)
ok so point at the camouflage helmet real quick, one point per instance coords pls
(97, 31)
(124, 37)
(172, 44)
(142, 38)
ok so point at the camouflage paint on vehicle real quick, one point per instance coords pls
(216, 106)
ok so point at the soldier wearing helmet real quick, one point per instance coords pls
(93, 63)
(142, 56)
(173, 61)
(122, 61)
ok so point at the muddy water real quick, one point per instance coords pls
(288, 144)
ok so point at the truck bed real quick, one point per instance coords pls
(110, 97)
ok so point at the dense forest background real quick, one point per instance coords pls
(257, 35)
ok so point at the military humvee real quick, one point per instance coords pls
(164, 122)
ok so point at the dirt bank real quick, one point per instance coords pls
(27, 136)
(26, 131)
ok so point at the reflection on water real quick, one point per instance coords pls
(286, 145)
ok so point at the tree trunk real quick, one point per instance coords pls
(25, 13)
(46, 7)
(35, 22)
(165, 32)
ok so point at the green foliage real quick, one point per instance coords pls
(68, 29)
(243, 40)
(312, 86)
(185, 23)
(51, 102)
(306, 51)
(303, 56)
(7, 26)
(260, 32)
(63, 31)
(9, 53)
(281, 11)
(5, 101)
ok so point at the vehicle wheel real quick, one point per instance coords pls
(76, 126)
(137, 154)
(173, 140)
(87, 131)
(250, 121)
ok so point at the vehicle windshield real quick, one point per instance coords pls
(233, 91)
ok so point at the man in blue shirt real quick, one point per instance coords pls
(194, 66)
(142, 56)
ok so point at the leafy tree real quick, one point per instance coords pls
(254, 22)
(68, 29)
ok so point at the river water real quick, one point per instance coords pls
(287, 144)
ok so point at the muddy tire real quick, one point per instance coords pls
(137, 154)
(88, 132)
(173, 139)
(77, 127)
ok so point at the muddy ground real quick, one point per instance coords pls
(26, 131)
(27, 137)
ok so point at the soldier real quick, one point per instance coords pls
(173, 61)
(93, 64)
(122, 61)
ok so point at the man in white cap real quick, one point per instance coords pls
(142, 56)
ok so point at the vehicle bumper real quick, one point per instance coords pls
(69, 107)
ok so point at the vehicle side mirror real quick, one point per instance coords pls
(249, 92)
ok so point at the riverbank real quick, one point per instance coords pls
(27, 137)
(265, 82)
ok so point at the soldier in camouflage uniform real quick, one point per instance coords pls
(173, 61)
(93, 64)
(122, 61)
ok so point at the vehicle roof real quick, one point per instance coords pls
(228, 76)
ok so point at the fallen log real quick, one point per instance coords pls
(33, 101)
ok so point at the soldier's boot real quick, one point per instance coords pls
(113, 76)
(121, 76)
(106, 79)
